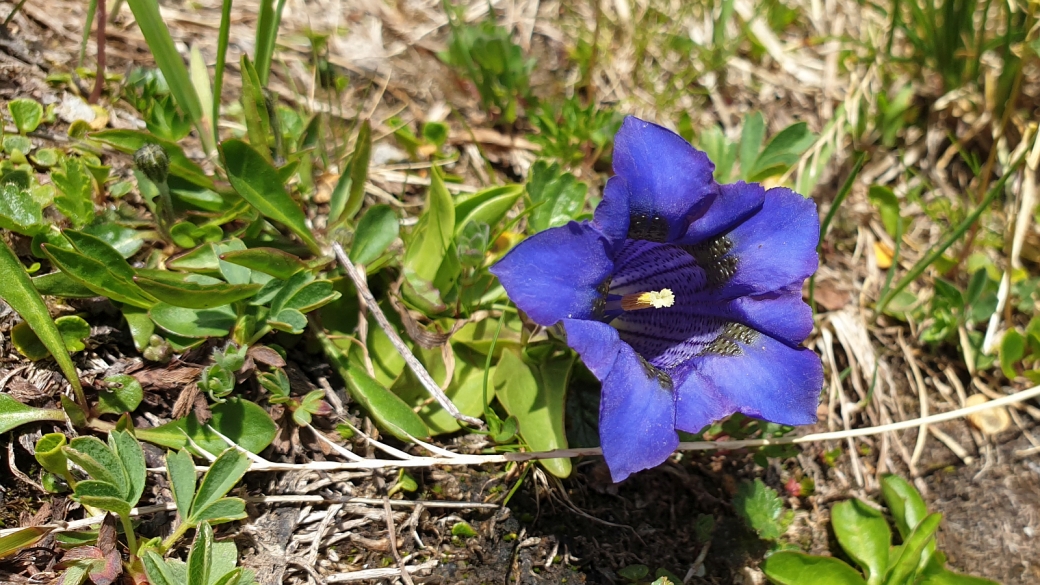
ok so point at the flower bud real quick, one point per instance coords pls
(152, 160)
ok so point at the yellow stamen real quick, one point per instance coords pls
(647, 300)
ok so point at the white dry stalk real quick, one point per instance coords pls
(409, 358)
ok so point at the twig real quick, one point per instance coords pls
(409, 358)
(372, 574)
(392, 537)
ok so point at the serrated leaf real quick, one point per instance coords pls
(77, 190)
(761, 507)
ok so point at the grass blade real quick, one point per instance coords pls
(266, 33)
(953, 236)
(146, 13)
(218, 74)
(18, 292)
(825, 226)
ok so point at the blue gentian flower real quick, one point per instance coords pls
(682, 296)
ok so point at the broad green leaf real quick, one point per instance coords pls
(377, 229)
(58, 284)
(310, 297)
(536, 397)
(904, 502)
(782, 152)
(26, 113)
(241, 421)
(556, 196)
(19, 212)
(100, 461)
(19, 293)
(256, 180)
(349, 193)
(864, 535)
(97, 276)
(225, 558)
(73, 331)
(466, 393)
(910, 557)
(194, 323)
(752, 132)
(387, 409)
(157, 570)
(49, 453)
(197, 296)
(488, 206)
(1012, 350)
(76, 201)
(21, 539)
(225, 471)
(124, 395)
(200, 558)
(100, 494)
(130, 141)
(888, 206)
(153, 28)
(288, 320)
(124, 240)
(435, 232)
(270, 261)
(795, 568)
(15, 414)
(759, 505)
(221, 511)
(947, 577)
(131, 455)
(634, 572)
(98, 249)
(180, 469)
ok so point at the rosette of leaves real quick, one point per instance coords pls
(312, 403)
(866, 538)
(205, 503)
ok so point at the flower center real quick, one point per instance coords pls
(658, 299)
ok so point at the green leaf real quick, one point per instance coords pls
(200, 558)
(434, 233)
(19, 212)
(241, 421)
(254, 109)
(73, 331)
(1012, 350)
(386, 408)
(130, 141)
(191, 295)
(153, 28)
(100, 461)
(349, 193)
(77, 190)
(377, 229)
(97, 276)
(131, 456)
(256, 180)
(27, 114)
(50, 455)
(556, 196)
(15, 414)
(634, 572)
(19, 293)
(58, 284)
(124, 397)
(888, 206)
(180, 469)
(782, 152)
(904, 502)
(157, 570)
(279, 264)
(100, 494)
(221, 511)
(21, 539)
(752, 132)
(488, 206)
(914, 545)
(94, 247)
(795, 568)
(463, 530)
(763, 510)
(947, 577)
(194, 323)
(536, 397)
(864, 535)
(225, 471)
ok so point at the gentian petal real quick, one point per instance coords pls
(554, 274)
(668, 180)
(763, 377)
(597, 343)
(772, 249)
(781, 314)
(612, 214)
(698, 403)
(734, 204)
(636, 417)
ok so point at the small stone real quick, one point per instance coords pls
(990, 422)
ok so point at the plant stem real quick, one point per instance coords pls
(174, 536)
(128, 525)
(99, 82)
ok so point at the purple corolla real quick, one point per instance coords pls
(682, 296)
